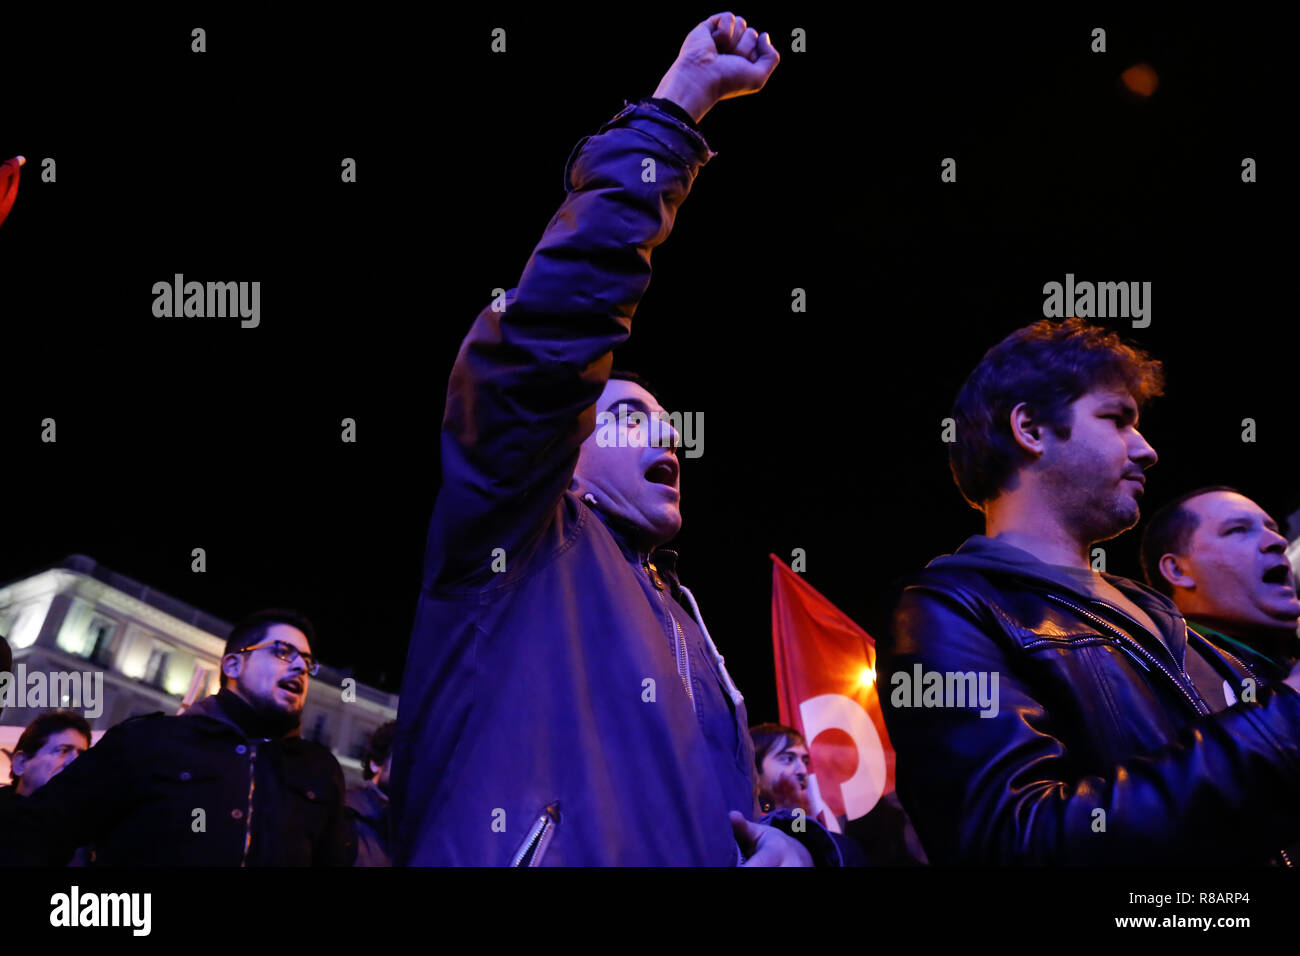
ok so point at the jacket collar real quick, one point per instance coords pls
(227, 708)
(990, 555)
(209, 707)
(664, 560)
(1287, 651)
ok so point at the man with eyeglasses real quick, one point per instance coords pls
(228, 783)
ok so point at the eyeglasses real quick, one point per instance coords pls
(286, 652)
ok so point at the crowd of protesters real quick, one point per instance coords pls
(228, 782)
(564, 702)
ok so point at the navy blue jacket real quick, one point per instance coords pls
(526, 729)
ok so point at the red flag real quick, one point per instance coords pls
(9, 184)
(826, 689)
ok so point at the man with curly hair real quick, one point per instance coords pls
(1101, 734)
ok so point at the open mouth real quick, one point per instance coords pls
(1278, 574)
(292, 684)
(663, 472)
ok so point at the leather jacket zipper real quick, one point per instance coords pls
(1198, 705)
(1190, 683)
(248, 814)
(1232, 657)
(1286, 857)
(1128, 617)
(539, 837)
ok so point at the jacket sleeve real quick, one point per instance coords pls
(1003, 789)
(522, 392)
(816, 839)
(77, 807)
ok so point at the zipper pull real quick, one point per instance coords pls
(1130, 654)
(539, 837)
(1191, 684)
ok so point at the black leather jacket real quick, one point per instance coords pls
(1100, 749)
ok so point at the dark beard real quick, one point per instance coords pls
(274, 722)
(258, 720)
(786, 794)
(1095, 516)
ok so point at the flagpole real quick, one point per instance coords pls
(198, 681)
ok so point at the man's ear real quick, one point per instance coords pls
(19, 763)
(1172, 570)
(231, 665)
(1026, 429)
(372, 770)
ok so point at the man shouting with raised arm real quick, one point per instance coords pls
(562, 702)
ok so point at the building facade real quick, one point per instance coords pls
(77, 625)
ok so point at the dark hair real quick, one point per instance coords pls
(623, 375)
(253, 628)
(1047, 365)
(766, 738)
(378, 747)
(39, 731)
(1170, 532)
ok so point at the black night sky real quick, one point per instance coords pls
(822, 429)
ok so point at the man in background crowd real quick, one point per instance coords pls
(1222, 560)
(228, 783)
(367, 805)
(47, 745)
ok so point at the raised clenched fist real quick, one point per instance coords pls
(721, 58)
